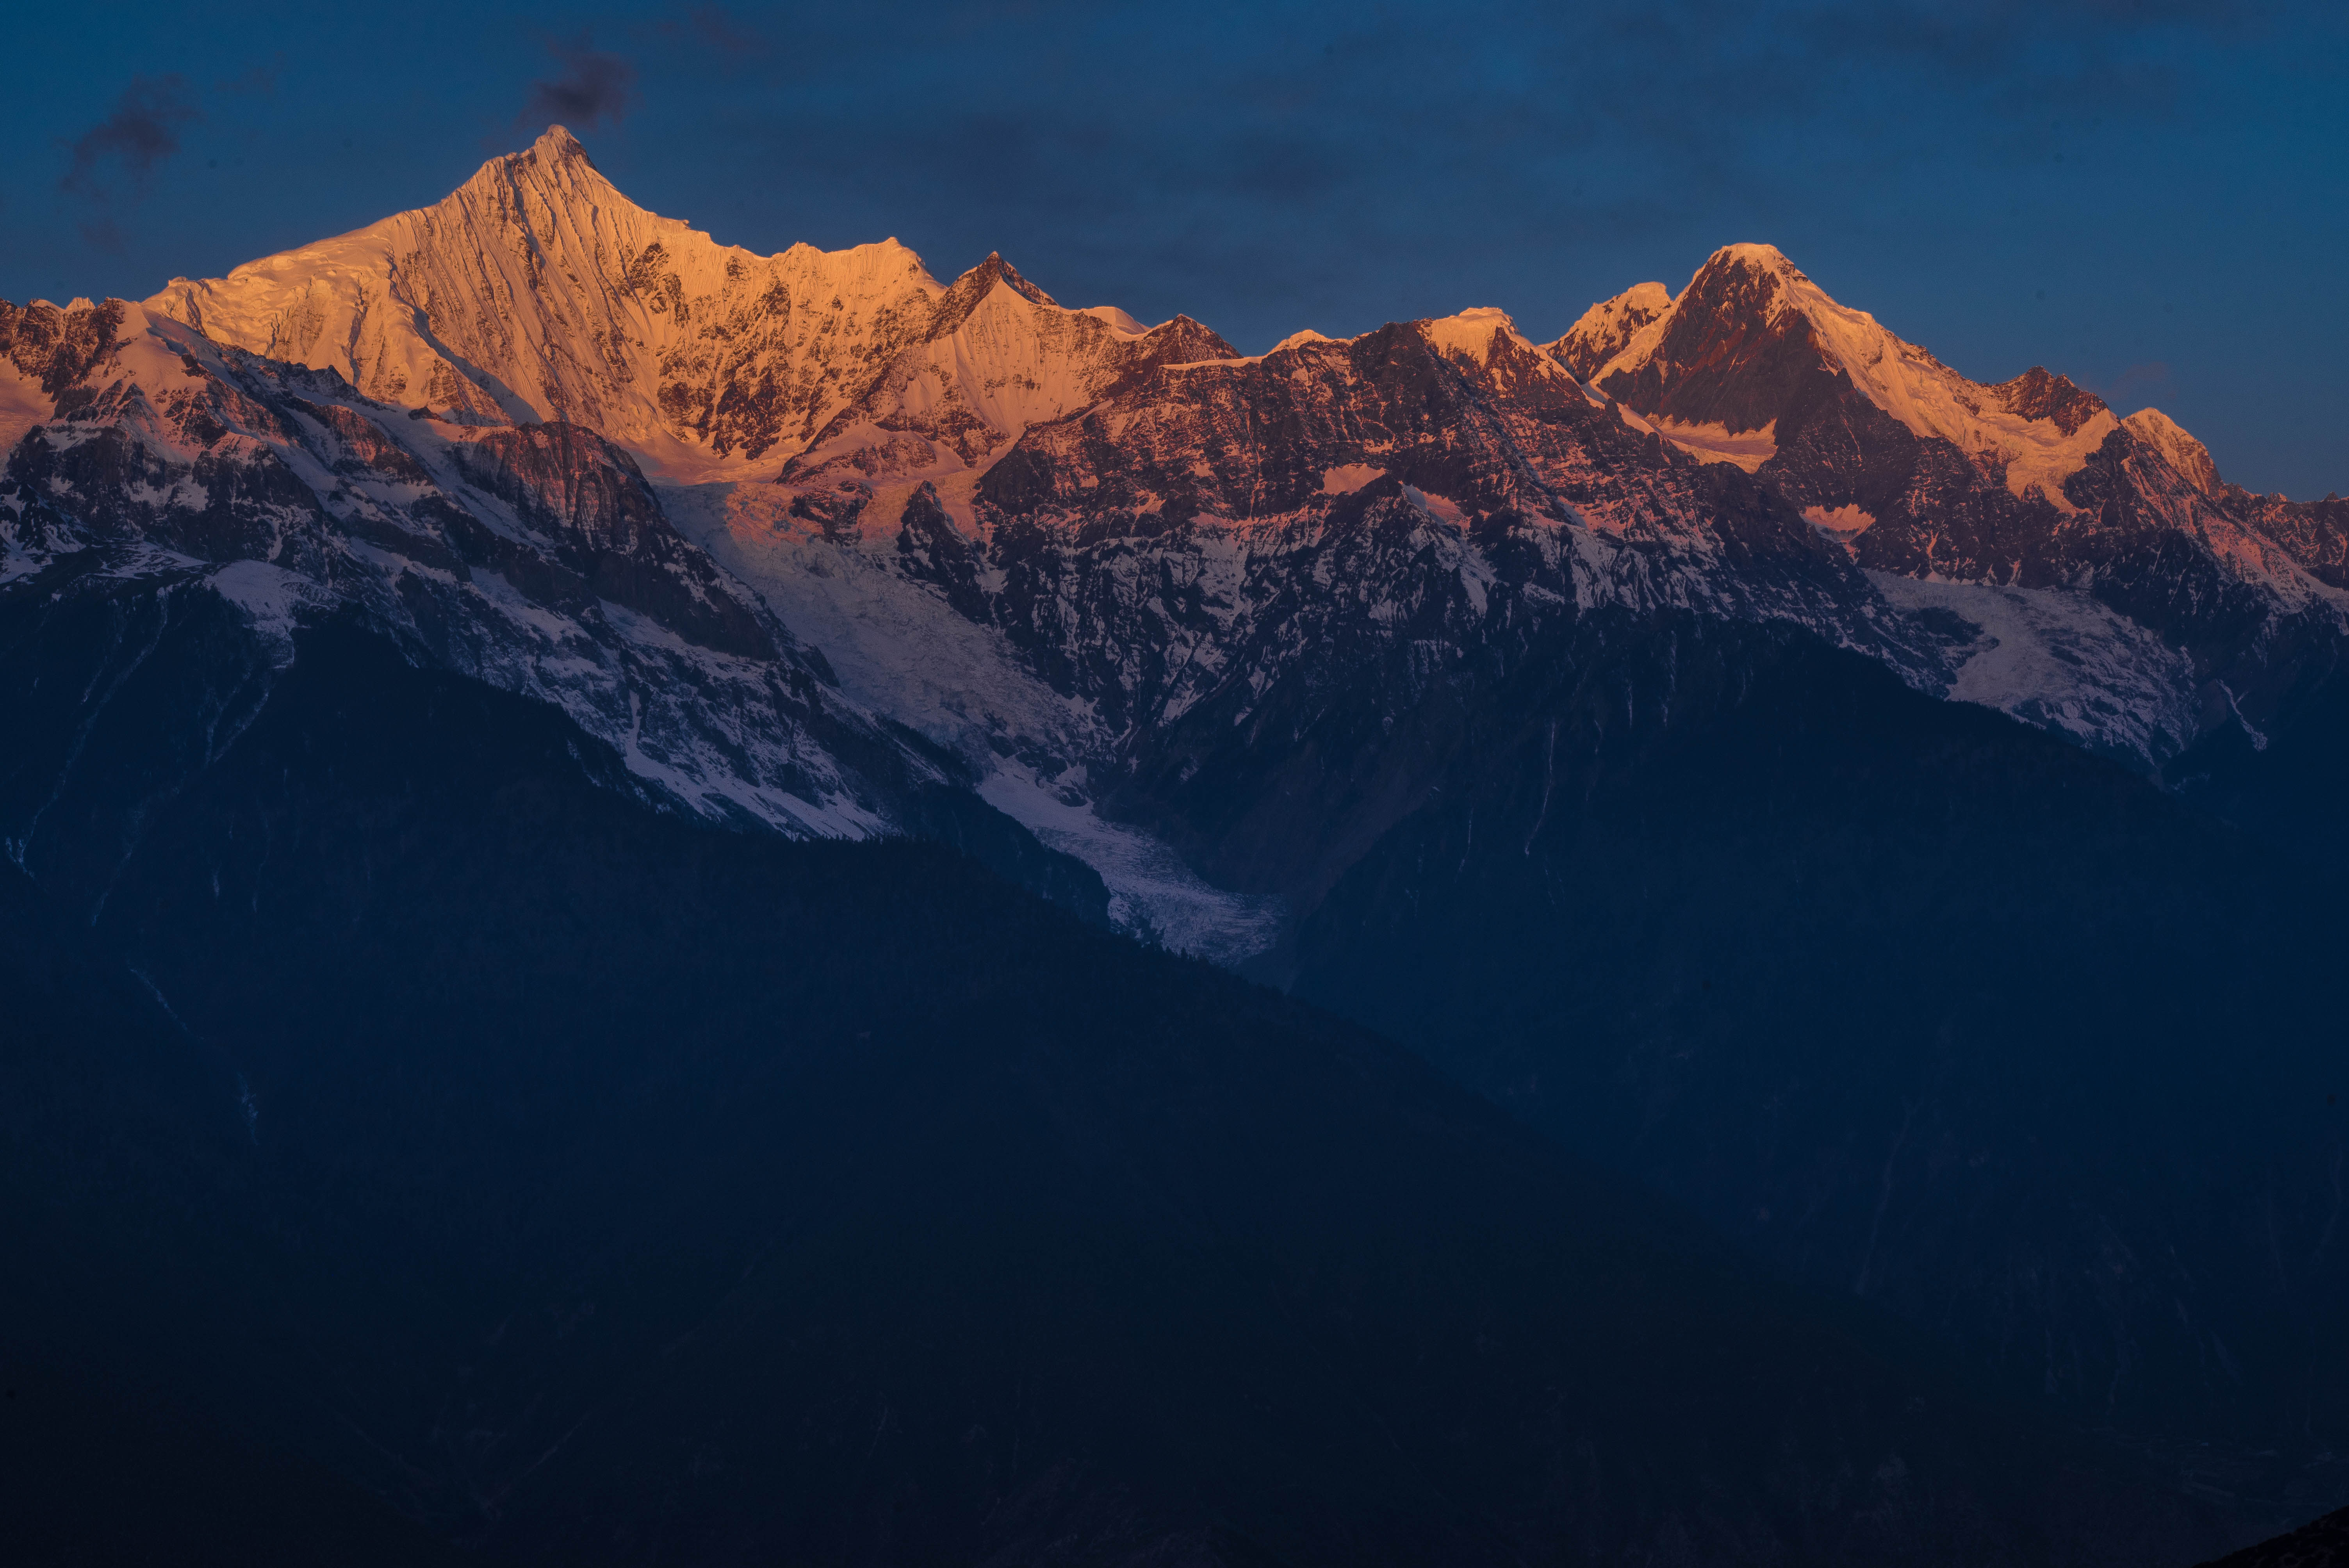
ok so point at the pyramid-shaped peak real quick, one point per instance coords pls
(1746, 277)
(556, 164)
(2039, 394)
(557, 143)
(1755, 284)
(982, 278)
(2189, 456)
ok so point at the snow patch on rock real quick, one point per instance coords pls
(1844, 523)
(1749, 449)
(2060, 661)
(270, 598)
(1348, 478)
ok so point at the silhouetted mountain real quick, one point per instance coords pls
(118, 1149)
(1935, 1010)
(2322, 1544)
(597, 1185)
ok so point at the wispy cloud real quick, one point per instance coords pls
(595, 86)
(142, 131)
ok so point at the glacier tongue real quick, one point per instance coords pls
(1152, 892)
(899, 647)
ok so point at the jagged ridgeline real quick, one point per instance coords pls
(1896, 815)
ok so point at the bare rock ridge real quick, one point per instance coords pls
(2037, 395)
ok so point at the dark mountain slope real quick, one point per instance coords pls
(120, 1150)
(2322, 1545)
(600, 1186)
(1933, 1009)
(2284, 784)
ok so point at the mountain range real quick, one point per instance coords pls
(1891, 817)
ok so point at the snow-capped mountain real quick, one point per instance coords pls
(1752, 344)
(895, 527)
(171, 500)
(1077, 606)
(538, 291)
(2177, 603)
(534, 556)
(1229, 552)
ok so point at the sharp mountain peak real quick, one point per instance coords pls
(557, 142)
(538, 291)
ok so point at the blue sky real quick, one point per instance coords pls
(2148, 195)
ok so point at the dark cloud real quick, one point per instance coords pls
(142, 131)
(594, 87)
